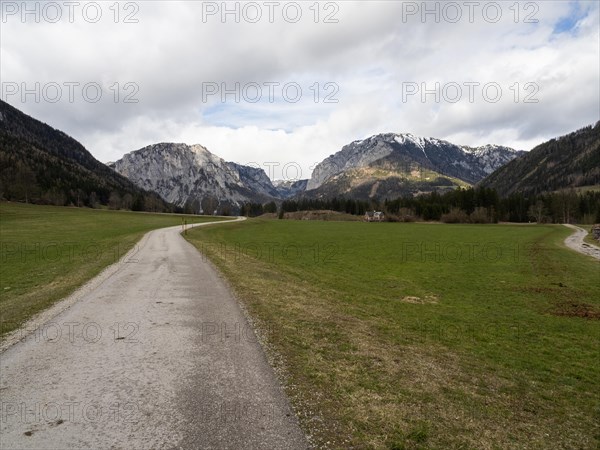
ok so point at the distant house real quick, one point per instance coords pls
(374, 216)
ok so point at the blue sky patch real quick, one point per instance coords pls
(568, 23)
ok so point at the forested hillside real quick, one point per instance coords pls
(39, 164)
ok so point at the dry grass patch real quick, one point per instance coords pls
(428, 299)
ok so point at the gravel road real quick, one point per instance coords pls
(576, 242)
(155, 353)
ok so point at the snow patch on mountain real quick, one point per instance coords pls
(491, 157)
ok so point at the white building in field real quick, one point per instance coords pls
(374, 216)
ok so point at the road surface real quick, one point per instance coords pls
(157, 354)
(576, 242)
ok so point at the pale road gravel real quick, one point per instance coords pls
(576, 242)
(154, 353)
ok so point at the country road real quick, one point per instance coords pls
(158, 354)
(576, 242)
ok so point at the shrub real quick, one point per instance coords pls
(456, 215)
(480, 215)
(407, 215)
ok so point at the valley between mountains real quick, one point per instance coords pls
(382, 166)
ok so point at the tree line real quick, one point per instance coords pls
(484, 205)
(471, 205)
(20, 183)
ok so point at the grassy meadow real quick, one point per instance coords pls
(424, 336)
(46, 252)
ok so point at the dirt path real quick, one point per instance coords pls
(156, 355)
(575, 242)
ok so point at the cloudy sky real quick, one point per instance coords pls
(286, 84)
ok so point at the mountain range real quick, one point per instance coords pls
(382, 166)
(40, 163)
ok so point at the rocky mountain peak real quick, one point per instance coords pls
(185, 173)
(464, 163)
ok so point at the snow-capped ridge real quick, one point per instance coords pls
(462, 162)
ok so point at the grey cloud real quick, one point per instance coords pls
(369, 53)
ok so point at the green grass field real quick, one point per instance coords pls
(424, 336)
(46, 252)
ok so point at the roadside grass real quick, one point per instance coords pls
(590, 240)
(423, 336)
(46, 252)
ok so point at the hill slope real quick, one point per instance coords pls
(41, 164)
(566, 162)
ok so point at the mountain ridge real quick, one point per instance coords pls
(406, 158)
